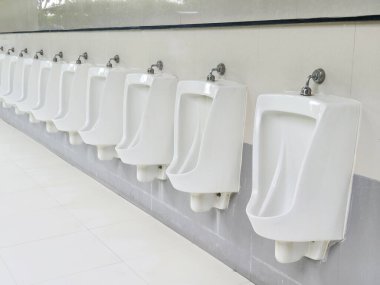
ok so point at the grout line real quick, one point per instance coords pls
(353, 60)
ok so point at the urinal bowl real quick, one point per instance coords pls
(36, 90)
(208, 142)
(59, 84)
(148, 121)
(7, 75)
(72, 112)
(22, 71)
(303, 155)
(104, 110)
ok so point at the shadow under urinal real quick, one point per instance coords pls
(208, 142)
(71, 116)
(303, 155)
(148, 124)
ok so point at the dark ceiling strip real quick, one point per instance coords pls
(216, 25)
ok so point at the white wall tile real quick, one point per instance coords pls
(366, 89)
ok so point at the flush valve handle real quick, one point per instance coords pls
(220, 69)
(318, 77)
(84, 55)
(159, 65)
(116, 59)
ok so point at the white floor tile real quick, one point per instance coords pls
(139, 238)
(5, 276)
(118, 274)
(20, 202)
(13, 178)
(102, 209)
(47, 259)
(35, 225)
(56, 175)
(185, 266)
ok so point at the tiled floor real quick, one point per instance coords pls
(60, 227)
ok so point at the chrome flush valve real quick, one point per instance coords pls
(159, 65)
(318, 77)
(116, 59)
(11, 50)
(58, 55)
(25, 50)
(220, 69)
(40, 52)
(84, 55)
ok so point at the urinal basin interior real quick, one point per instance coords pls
(37, 84)
(148, 120)
(59, 83)
(22, 72)
(195, 111)
(104, 108)
(72, 112)
(7, 74)
(284, 141)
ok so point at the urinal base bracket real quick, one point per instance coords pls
(147, 173)
(6, 105)
(32, 119)
(287, 252)
(18, 112)
(50, 127)
(106, 152)
(202, 202)
(75, 138)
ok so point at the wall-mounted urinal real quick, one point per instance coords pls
(208, 141)
(148, 124)
(72, 112)
(303, 156)
(37, 83)
(58, 86)
(104, 109)
(7, 75)
(20, 82)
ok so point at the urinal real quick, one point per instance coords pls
(7, 75)
(20, 82)
(59, 84)
(303, 156)
(104, 109)
(208, 141)
(72, 113)
(36, 89)
(148, 121)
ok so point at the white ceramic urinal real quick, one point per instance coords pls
(20, 82)
(7, 75)
(72, 113)
(303, 156)
(59, 84)
(36, 89)
(104, 110)
(148, 124)
(208, 141)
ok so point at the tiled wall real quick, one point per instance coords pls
(267, 59)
